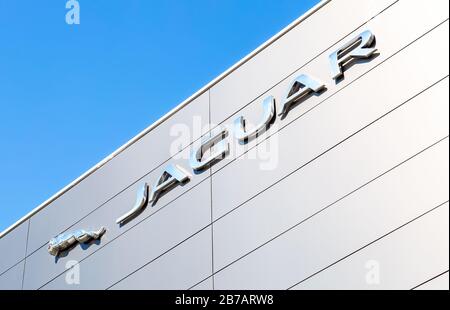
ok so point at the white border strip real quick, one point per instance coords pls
(167, 116)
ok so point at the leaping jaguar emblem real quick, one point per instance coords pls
(64, 241)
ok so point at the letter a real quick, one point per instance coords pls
(172, 176)
(299, 88)
(73, 15)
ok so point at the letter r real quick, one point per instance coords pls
(358, 47)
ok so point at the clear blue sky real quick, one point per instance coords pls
(71, 95)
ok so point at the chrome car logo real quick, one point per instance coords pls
(67, 240)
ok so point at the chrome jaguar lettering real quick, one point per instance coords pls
(65, 241)
(215, 147)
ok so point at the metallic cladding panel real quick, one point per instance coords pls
(401, 257)
(205, 285)
(185, 266)
(349, 166)
(13, 247)
(12, 279)
(440, 282)
(293, 257)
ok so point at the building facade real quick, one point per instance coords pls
(320, 161)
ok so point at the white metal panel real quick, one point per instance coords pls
(400, 261)
(206, 285)
(347, 226)
(12, 279)
(362, 158)
(181, 268)
(439, 283)
(13, 247)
